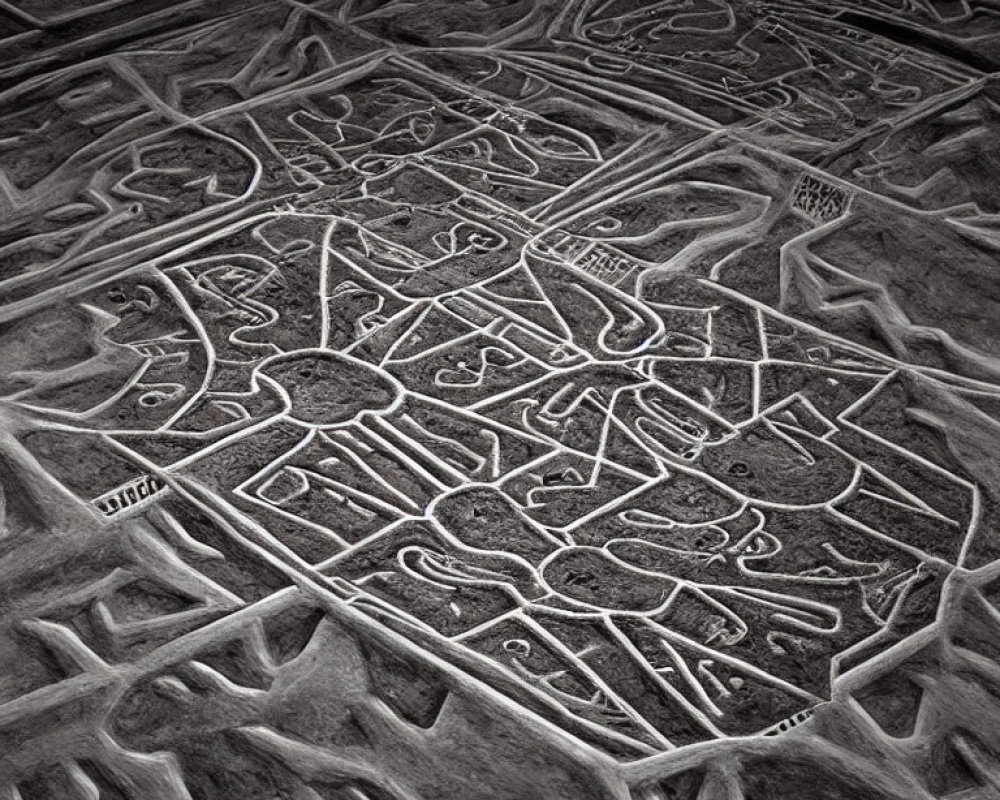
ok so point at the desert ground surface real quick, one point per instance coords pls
(500, 400)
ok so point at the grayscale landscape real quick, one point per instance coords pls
(500, 400)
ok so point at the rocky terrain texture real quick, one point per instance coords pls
(499, 400)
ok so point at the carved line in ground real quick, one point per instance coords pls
(313, 582)
(199, 326)
(911, 454)
(874, 46)
(61, 266)
(948, 378)
(277, 464)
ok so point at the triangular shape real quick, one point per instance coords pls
(436, 326)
